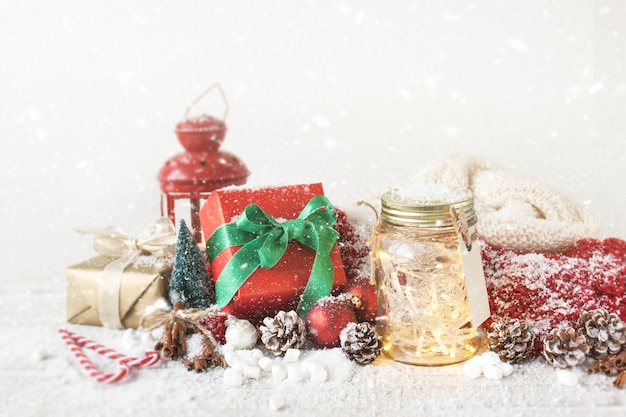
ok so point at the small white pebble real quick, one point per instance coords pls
(472, 369)
(277, 402)
(490, 358)
(292, 355)
(279, 372)
(266, 363)
(492, 372)
(566, 377)
(251, 372)
(319, 375)
(507, 368)
(233, 377)
(294, 373)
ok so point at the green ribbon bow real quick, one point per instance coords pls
(263, 242)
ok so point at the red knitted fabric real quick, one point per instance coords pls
(549, 289)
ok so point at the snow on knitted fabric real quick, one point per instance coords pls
(548, 290)
(514, 210)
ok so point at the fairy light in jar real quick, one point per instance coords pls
(431, 292)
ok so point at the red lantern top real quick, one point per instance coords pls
(202, 167)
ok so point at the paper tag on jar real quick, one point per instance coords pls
(474, 280)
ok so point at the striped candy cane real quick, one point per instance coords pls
(76, 343)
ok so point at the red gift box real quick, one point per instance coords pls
(267, 291)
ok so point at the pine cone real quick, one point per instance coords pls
(605, 333)
(512, 339)
(360, 342)
(284, 331)
(563, 348)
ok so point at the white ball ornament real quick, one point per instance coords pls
(240, 334)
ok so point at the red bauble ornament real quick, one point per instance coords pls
(362, 289)
(327, 318)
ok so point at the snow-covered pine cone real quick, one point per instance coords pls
(512, 339)
(284, 331)
(563, 348)
(605, 333)
(360, 342)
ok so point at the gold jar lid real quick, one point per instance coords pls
(427, 205)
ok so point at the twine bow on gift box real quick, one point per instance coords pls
(263, 242)
(113, 243)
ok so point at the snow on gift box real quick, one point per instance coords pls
(114, 288)
(262, 263)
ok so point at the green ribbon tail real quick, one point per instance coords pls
(322, 276)
(240, 267)
(319, 285)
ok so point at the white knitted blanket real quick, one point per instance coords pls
(514, 210)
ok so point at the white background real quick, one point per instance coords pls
(357, 95)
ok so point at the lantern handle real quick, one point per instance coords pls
(201, 96)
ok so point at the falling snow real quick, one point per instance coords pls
(358, 96)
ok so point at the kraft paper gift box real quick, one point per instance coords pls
(114, 288)
(142, 283)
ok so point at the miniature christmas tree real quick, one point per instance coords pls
(190, 282)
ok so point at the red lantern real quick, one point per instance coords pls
(188, 178)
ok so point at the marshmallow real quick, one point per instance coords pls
(229, 357)
(490, 358)
(238, 364)
(507, 368)
(567, 378)
(278, 372)
(257, 353)
(292, 355)
(472, 369)
(266, 363)
(251, 372)
(233, 377)
(277, 402)
(492, 372)
(294, 373)
(309, 365)
(319, 375)
(487, 364)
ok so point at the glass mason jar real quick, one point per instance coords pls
(423, 315)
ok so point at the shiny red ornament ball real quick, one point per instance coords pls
(327, 318)
(362, 289)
